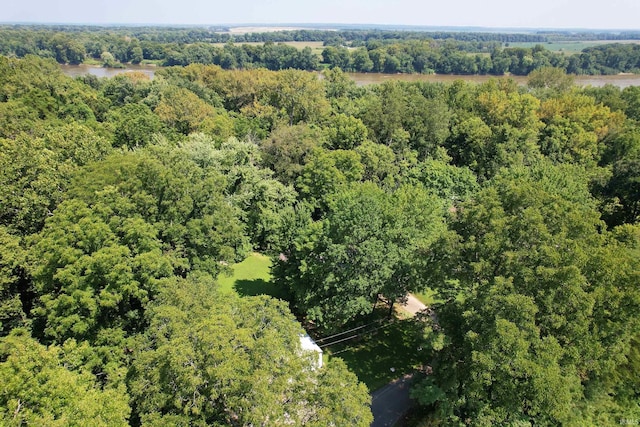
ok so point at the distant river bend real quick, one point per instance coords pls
(83, 70)
(361, 79)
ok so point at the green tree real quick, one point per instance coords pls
(451, 183)
(631, 96)
(35, 172)
(134, 125)
(361, 61)
(39, 388)
(539, 302)
(380, 164)
(576, 128)
(345, 132)
(509, 374)
(551, 78)
(263, 201)
(300, 96)
(288, 149)
(624, 185)
(326, 172)
(108, 59)
(184, 201)
(338, 84)
(128, 88)
(337, 57)
(367, 246)
(496, 126)
(87, 278)
(183, 110)
(395, 108)
(32, 183)
(14, 286)
(620, 190)
(222, 360)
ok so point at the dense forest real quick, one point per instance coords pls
(379, 51)
(124, 200)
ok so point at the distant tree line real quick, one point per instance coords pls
(376, 51)
(588, 35)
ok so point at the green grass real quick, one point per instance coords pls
(92, 61)
(251, 277)
(396, 345)
(427, 297)
(316, 47)
(370, 356)
(569, 47)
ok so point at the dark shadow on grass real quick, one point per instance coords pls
(255, 287)
(386, 354)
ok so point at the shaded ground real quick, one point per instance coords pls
(379, 357)
(391, 402)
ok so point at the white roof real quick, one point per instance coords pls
(308, 344)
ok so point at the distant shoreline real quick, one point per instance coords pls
(362, 79)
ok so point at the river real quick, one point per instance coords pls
(361, 79)
(81, 70)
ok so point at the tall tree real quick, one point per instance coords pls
(43, 386)
(263, 202)
(367, 246)
(539, 302)
(15, 292)
(222, 360)
(300, 95)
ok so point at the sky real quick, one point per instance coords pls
(592, 14)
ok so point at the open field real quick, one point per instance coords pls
(251, 277)
(316, 47)
(246, 30)
(570, 47)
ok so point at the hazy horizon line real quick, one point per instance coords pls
(325, 26)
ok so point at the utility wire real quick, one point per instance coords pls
(342, 351)
(347, 331)
(336, 342)
(356, 335)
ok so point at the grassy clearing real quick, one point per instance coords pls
(389, 350)
(427, 297)
(385, 354)
(316, 47)
(251, 277)
(569, 47)
(92, 61)
(153, 62)
(269, 29)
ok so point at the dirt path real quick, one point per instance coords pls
(413, 305)
(391, 402)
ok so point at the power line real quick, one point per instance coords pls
(342, 351)
(336, 342)
(356, 335)
(347, 331)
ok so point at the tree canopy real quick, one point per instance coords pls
(513, 210)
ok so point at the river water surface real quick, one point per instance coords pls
(361, 79)
(81, 70)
